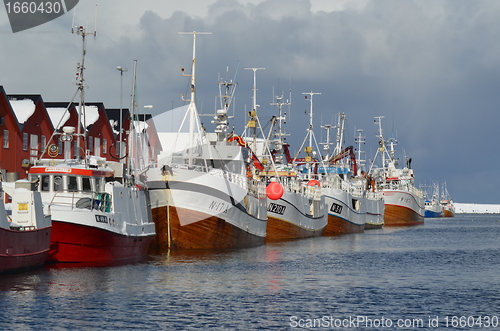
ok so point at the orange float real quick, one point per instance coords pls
(313, 182)
(274, 191)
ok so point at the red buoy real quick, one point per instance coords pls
(274, 190)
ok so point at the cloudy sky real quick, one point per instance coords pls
(432, 68)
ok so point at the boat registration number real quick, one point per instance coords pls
(275, 208)
(101, 218)
(336, 208)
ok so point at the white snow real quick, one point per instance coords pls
(23, 109)
(91, 115)
(56, 114)
(476, 208)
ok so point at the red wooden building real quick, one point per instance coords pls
(29, 125)
(31, 134)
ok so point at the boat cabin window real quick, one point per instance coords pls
(86, 186)
(58, 183)
(100, 184)
(72, 184)
(46, 183)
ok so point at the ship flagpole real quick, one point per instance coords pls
(192, 106)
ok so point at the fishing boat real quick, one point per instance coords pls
(295, 204)
(447, 203)
(24, 228)
(374, 199)
(404, 203)
(203, 194)
(432, 202)
(344, 191)
(374, 209)
(99, 215)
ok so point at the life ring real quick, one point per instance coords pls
(313, 182)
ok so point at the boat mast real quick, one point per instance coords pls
(310, 133)
(360, 139)
(254, 119)
(132, 143)
(280, 141)
(80, 83)
(192, 105)
(221, 117)
(380, 136)
(326, 145)
(340, 134)
(310, 129)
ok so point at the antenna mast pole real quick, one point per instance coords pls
(309, 130)
(192, 106)
(80, 83)
(253, 113)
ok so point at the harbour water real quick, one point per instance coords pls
(443, 275)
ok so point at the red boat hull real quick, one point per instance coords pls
(338, 226)
(206, 232)
(398, 216)
(448, 213)
(75, 243)
(21, 250)
(278, 229)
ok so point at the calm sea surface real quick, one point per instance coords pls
(444, 275)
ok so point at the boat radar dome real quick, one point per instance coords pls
(68, 129)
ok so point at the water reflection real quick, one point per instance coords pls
(443, 267)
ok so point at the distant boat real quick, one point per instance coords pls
(404, 203)
(300, 210)
(433, 207)
(203, 194)
(374, 199)
(447, 203)
(24, 228)
(344, 193)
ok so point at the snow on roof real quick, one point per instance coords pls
(56, 114)
(23, 109)
(114, 126)
(91, 115)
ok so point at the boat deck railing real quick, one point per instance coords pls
(100, 201)
(300, 186)
(402, 185)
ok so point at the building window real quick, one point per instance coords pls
(25, 141)
(97, 146)
(33, 145)
(2, 120)
(60, 146)
(104, 146)
(44, 143)
(91, 144)
(6, 139)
